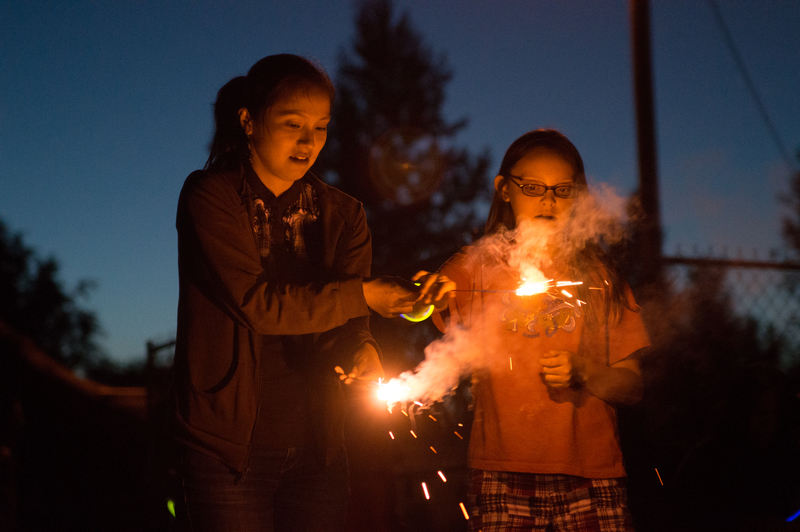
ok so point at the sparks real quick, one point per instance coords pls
(434, 450)
(425, 489)
(412, 433)
(390, 434)
(510, 364)
(430, 416)
(464, 510)
(459, 435)
(659, 477)
(441, 475)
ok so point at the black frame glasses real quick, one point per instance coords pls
(537, 190)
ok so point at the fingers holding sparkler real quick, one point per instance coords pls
(435, 288)
(559, 367)
(367, 367)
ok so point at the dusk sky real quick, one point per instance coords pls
(105, 108)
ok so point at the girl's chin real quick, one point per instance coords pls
(540, 222)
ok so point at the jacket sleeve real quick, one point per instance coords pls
(218, 254)
(353, 258)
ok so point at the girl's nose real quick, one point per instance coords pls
(307, 137)
(549, 197)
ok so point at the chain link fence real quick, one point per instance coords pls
(766, 291)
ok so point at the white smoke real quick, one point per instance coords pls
(526, 250)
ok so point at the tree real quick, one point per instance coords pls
(791, 222)
(389, 146)
(34, 302)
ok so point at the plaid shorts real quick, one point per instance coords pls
(505, 501)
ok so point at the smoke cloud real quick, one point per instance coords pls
(597, 218)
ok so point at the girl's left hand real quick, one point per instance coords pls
(367, 366)
(560, 368)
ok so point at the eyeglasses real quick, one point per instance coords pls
(562, 190)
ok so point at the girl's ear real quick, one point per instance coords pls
(246, 121)
(500, 186)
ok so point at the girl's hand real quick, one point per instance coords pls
(560, 368)
(367, 366)
(390, 296)
(435, 288)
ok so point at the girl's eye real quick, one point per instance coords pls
(322, 128)
(293, 125)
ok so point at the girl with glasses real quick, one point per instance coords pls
(544, 451)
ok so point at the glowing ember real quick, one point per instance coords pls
(391, 391)
(442, 476)
(566, 293)
(533, 282)
(390, 434)
(412, 433)
(464, 511)
(529, 288)
(459, 435)
(425, 489)
(430, 416)
(434, 450)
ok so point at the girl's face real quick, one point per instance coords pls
(539, 167)
(287, 140)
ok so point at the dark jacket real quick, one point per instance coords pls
(227, 302)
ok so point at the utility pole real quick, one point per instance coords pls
(650, 226)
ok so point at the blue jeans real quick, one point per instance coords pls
(283, 491)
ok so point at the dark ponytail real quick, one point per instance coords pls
(270, 79)
(229, 147)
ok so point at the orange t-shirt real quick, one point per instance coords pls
(520, 423)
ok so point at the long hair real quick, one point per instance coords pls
(589, 262)
(270, 79)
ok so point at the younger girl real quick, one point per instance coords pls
(274, 294)
(544, 452)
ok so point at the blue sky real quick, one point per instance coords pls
(105, 107)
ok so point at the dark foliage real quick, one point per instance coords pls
(389, 146)
(34, 302)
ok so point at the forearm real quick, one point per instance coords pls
(620, 383)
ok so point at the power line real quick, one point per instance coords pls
(750, 85)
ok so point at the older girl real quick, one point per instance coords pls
(274, 294)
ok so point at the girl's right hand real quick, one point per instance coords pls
(435, 288)
(390, 296)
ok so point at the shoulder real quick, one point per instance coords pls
(207, 193)
(210, 181)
